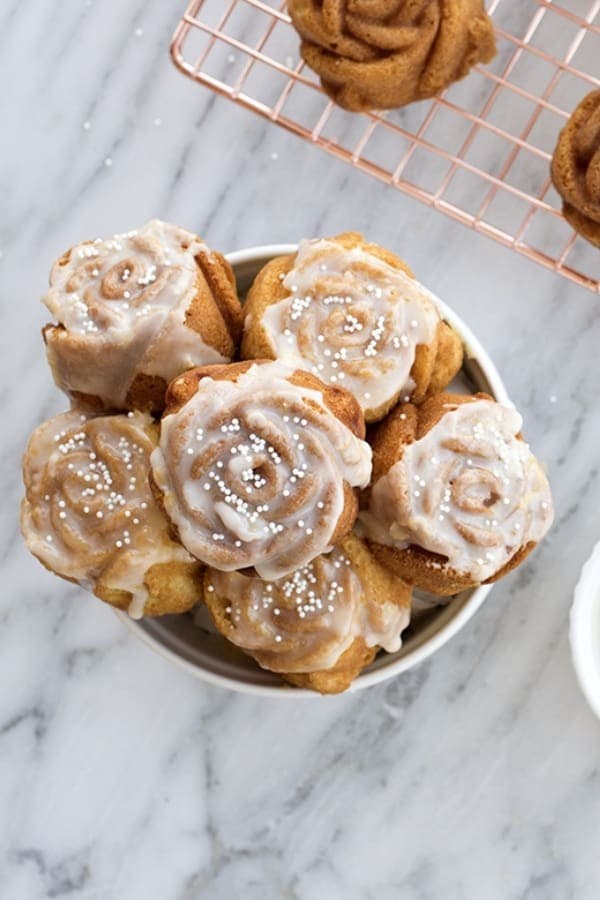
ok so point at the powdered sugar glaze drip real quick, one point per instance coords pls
(469, 490)
(353, 320)
(253, 471)
(304, 622)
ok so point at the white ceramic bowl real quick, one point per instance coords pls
(584, 631)
(205, 654)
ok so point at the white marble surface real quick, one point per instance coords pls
(476, 776)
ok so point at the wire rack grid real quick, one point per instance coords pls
(480, 152)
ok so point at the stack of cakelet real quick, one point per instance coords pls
(181, 476)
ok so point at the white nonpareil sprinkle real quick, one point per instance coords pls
(308, 591)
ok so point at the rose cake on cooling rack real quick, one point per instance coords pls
(382, 54)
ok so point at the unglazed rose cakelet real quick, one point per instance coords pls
(457, 497)
(382, 54)
(134, 311)
(352, 314)
(258, 465)
(576, 168)
(318, 627)
(89, 514)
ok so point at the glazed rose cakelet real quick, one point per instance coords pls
(318, 627)
(257, 465)
(89, 514)
(457, 497)
(352, 314)
(135, 311)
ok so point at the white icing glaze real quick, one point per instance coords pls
(304, 622)
(469, 490)
(253, 471)
(353, 320)
(89, 514)
(122, 303)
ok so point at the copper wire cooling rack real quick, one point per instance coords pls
(479, 153)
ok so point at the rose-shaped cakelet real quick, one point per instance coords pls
(381, 54)
(576, 168)
(257, 465)
(457, 497)
(134, 311)
(89, 514)
(351, 313)
(321, 625)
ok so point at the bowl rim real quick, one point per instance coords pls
(264, 252)
(586, 601)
